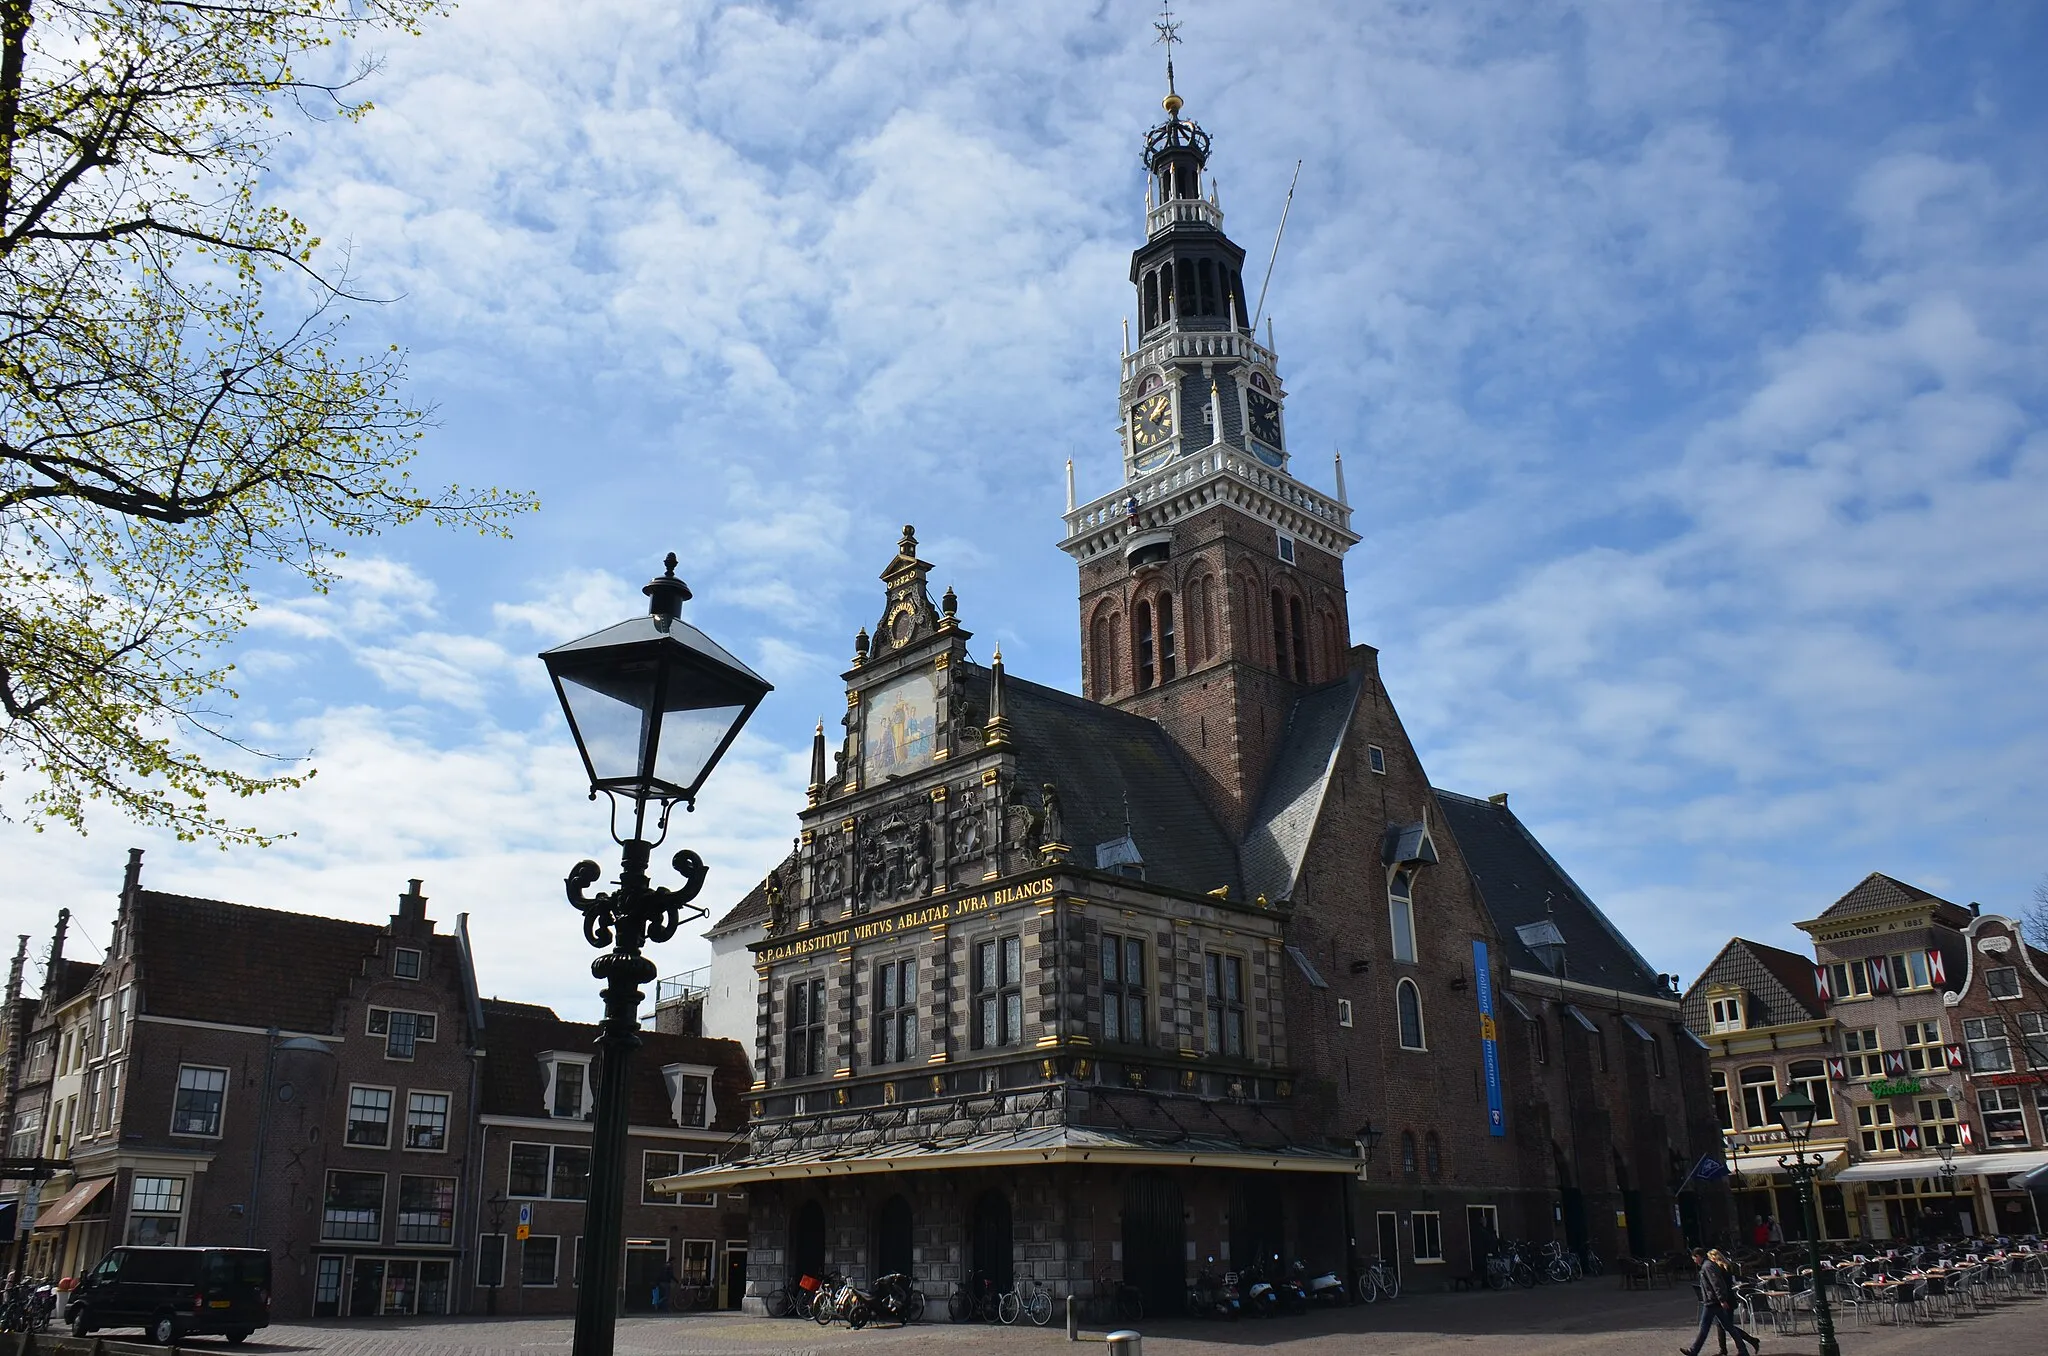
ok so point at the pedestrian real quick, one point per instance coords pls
(1717, 1306)
(1761, 1234)
(1777, 1230)
(668, 1286)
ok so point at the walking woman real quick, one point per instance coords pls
(1717, 1306)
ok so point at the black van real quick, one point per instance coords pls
(175, 1292)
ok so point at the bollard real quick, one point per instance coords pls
(1124, 1342)
(1073, 1320)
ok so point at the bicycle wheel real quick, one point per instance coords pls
(1525, 1275)
(1009, 1306)
(960, 1308)
(779, 1302)
(913, 1308)
(1039, 1307)
(1560, 1271)
(1130, 1304)
(1368, 1287)
(821, 1310)
(1390, 1282)
(1594, 1266)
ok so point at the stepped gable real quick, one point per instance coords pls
(1522, 884)
(1108, 765)
(1779, 983)
(71, 977)
(1291, 801)
(209, 960)
(1876, 893)
(515, 1036)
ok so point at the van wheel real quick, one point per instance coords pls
(237, 1336)
(81, 1325)
(163, 1330)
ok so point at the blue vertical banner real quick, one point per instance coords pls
(1489, 1041)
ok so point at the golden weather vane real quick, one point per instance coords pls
(1169, 34)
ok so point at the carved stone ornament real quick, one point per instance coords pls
(1994, 946)
(894, 859)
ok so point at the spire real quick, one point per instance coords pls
(1342, 497)
(996, 734)
(1169, 37)
(817, 790)
(1070, 484)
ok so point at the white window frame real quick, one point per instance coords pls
(1376, 760)
(220, 1115)
(673, 1076)
(685, 1161)
(383, 1199)
(419, 963)
(1421, 1018)
(1415, 1236)
(447, 1119)
(552, 1063)
(454, 1211)
(555, 1273)
(1400, 910)
(370, 1024)
(1286, 548)
(553, 1148)
(348, 1119)
(1344, 1012)
(2018, 992)
(184, 1197)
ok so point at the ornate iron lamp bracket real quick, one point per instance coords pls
(637, 912)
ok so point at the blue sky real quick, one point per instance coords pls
(1688, 362)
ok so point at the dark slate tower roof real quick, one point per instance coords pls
(1877, 893)
(1523, 887)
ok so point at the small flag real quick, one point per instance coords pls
(1709, 1168)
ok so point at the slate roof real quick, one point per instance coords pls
(753, 905)
(1520, 884)
(1779, 983)
(1291, 801)
(512, 1083)
(213, 961)
(1103, 760)
(1877, 892)
(72, 976)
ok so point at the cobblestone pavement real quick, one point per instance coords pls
(1594, 1318)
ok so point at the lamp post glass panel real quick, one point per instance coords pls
(653, 704)
(1795, 1113)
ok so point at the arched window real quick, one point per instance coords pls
(1300, 635)
(1113, 680)
(1100, 671)
(1167, 656)
(1184, 288)
(1408, 1165)
(1809, 1076)
(1401, 914)
(1539, 1039)
(1279, 632)
(1248, 621)
(1408, 1007)
(1760, 1096)
(1206, 273)
(1207, 603)
(1142, 629)
(1166, 311)
(1433, 1156)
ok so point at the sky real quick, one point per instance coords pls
(1688, 362)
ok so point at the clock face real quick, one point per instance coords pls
(1151, 424)
(1263, 417)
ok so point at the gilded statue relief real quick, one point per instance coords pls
(899, 729)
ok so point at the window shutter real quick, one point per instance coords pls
(1909, 1137)
(1895, 1064)
(1820, 981)
(1880, 974)
(1936, 971)
(1964, 1132)
(1838, 1069)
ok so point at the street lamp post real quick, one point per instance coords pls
(1795, 1113)
(1947, 1173)
(653, 704)
(497, 1204)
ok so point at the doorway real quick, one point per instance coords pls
(646, 1259)
(807, 1240)
(893, 1246)
(735, 1277)
(1258, 1227)
(1482, 1232)
(1155, 1241)
(989, 1230)
(1389, 1233)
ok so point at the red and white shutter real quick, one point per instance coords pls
(1820, 981)
(1894, 1064)
(1955, 1056)
(1838, 1069)
(1966, 1138)
(1880, 974)
(1909, 1137)
(1937, 972)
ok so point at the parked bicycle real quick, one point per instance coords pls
(1376, 1278)
(794, 1298)
(1508, 1265)
(1116, 1300)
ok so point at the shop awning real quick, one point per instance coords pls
(1995, 1166)
(1767, 1162)
(1016, 1149)
(70, 1203)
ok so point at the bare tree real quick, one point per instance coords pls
(2034, 923)
(179, 417)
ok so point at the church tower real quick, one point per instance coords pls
(1211, 580)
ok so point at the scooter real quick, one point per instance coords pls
(1209, 1297)
(1293, 1295)
(1323, 1289)
(1260, 1298)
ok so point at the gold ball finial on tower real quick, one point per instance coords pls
(1173, 103)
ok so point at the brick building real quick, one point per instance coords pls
(1911, 1038)
(1061, 986)
(688, 1101)
(2000, 1017)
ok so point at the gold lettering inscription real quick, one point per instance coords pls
(910, 920)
